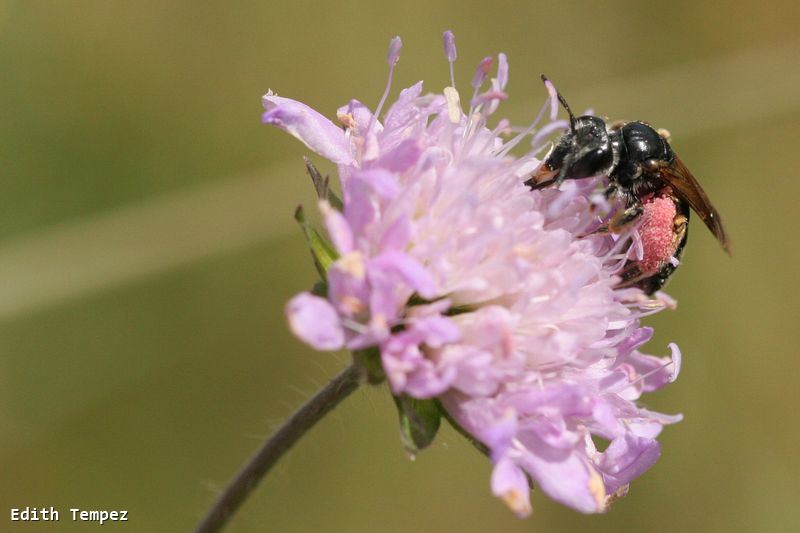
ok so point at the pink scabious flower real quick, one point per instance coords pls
(496, 303)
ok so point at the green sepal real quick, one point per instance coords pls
(419, 422)
(322, 186)
(322, 251)
(370, 360)
(320, 289)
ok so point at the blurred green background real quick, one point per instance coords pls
(147, 248)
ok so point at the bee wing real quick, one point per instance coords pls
(686, 187)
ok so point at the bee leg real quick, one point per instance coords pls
(534, 185)
(610, 192)
(623, 220)
(620, 222)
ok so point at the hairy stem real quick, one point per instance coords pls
(279, 443)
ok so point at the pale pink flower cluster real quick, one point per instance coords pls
(497, 300)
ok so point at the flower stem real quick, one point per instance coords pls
(280, 442)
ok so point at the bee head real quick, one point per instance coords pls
(585, 150)
(582, 152)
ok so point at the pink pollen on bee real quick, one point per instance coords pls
(656, 232)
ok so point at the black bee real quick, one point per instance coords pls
(652, 182)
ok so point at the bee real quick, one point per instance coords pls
(655, 187)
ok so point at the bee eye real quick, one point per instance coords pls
(652, 165)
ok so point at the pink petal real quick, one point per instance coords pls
(408, 370)
(347, 285)
(338, 229)
(566, 477)
(408, 270)
(315, 322)
(404, 156)
(626, 458)
(397, 235)
(314, 130)
(356, 116)
(378, 180)
(510, 484)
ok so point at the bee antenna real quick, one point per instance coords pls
(563, 102)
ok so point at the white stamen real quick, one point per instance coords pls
(507, 147)
(641, 378)
(453, 104)
(354, 326)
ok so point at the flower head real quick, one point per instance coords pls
(497, 301)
